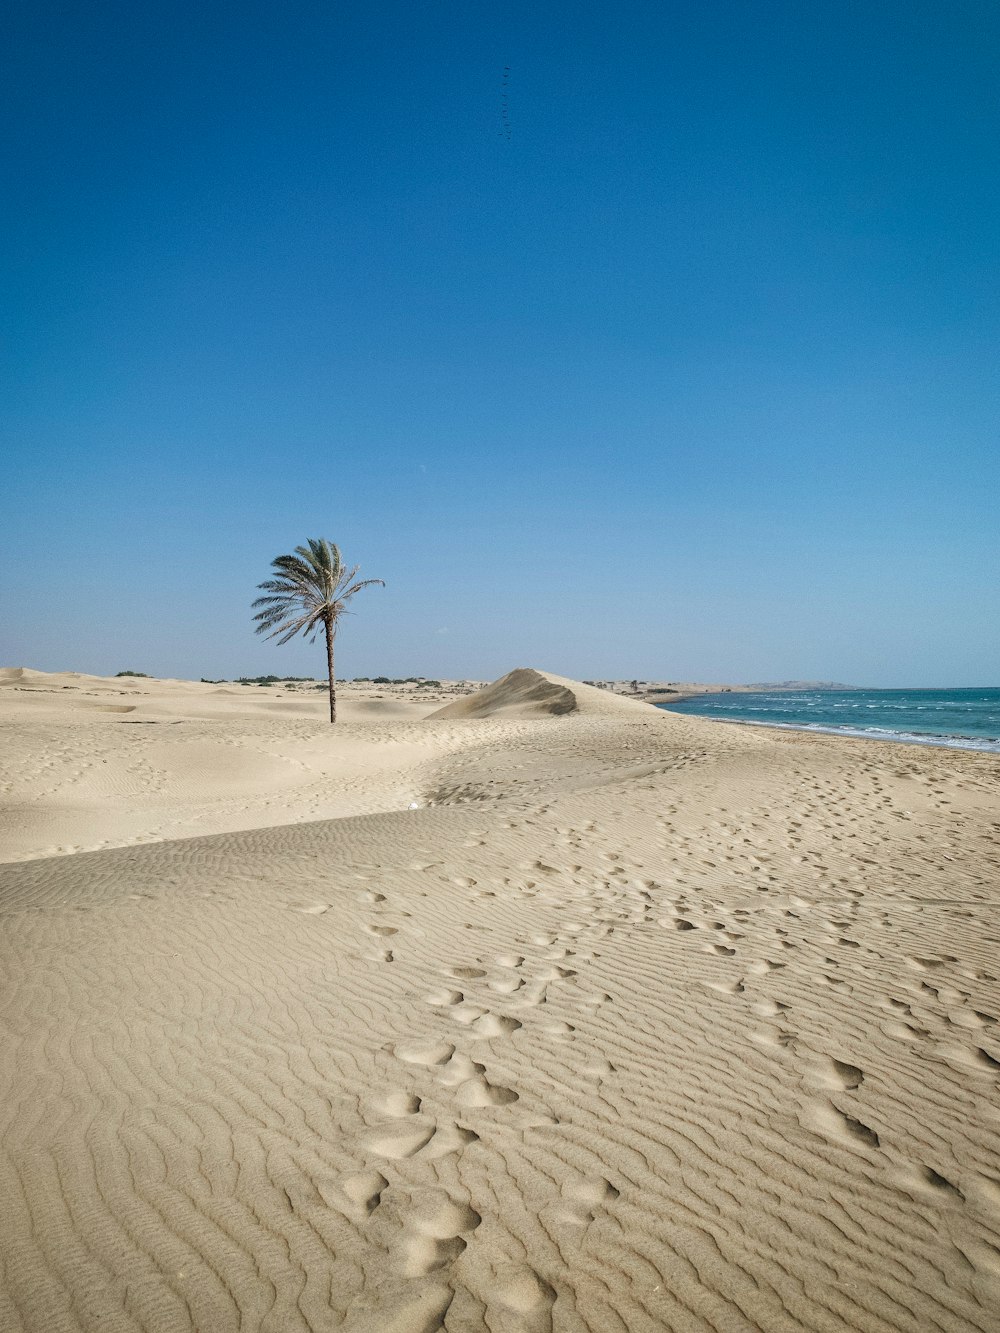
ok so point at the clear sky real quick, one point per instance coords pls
(675, 358)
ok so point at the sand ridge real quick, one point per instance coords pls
(636, 1022)
(526, 692)
(92, 762)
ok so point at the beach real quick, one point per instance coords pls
(532, 1009)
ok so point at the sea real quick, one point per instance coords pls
(966, 719)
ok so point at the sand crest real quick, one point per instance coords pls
(93, 762)
(635, 1022)
(529, 693)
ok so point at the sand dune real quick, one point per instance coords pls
(529, 693)
(636, 1023)
(92, 762)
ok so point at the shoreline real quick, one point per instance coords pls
(891, 735)
(418, 1014)
(930, 740)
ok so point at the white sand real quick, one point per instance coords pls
(637, 1023)
(91, 762)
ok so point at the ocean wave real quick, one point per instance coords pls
(988, 744)
(967, 719)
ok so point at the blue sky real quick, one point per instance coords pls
(694, 375)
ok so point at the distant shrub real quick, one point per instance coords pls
(428, 685)
(382, 680)
(206, 681)
(360, 680)
(132, 673)
(273, 680)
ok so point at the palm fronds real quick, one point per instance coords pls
(309, 592)
(312, 589)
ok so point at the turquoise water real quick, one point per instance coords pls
(963, 719)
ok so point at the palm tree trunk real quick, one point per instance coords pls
(329, 672)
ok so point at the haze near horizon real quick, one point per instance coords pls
(658, 344)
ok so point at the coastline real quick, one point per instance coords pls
(966, 718)
(494, 1043)
(967, 744)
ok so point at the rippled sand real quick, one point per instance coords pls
(636, 1023)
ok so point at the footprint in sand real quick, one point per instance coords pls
(395, 1142)
(839, 1075)
(401, 1140)
(450, 1137)
(364, 1191)
(472, 1088)
(726, 987)
(435, 1232)
(423, 1052)
(494, 1025)
(776, 1037)
(928, 964)
(398, 1104)
(555, 973)
(398, 1308)
(467, 1012)
(521, 1302)
(581, 1201)
(597, 1067)
(506, 985)
(928, 1182)
(826, 1120)
(532, 995)
(557, 1028)
(765, 965)
(460, 1068)
(480, 1092)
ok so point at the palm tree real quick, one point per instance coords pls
(312, 589)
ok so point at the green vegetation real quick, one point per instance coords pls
(310, 592)
(268, 680)
(141, 674)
